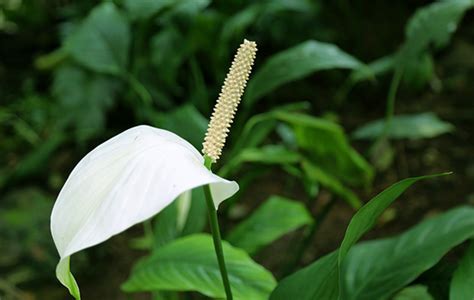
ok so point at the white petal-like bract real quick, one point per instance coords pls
(122, 182)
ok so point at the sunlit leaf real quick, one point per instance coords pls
(190, 264)
(276, 217)
(416, 126)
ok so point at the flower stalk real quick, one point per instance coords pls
(221, 119)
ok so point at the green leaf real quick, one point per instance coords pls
(377, 269)
(142, 9)
(365, 218)
(415, 292)
(181, 120)
(316, 281)
(318, 175)
(102, 41)
(462, 284)
(268, 154)
(296, 63)
(328, 148)
(276, 217)
(432, 25)
(190, 264)
(320, 280)
(416, 126)
(83, 98)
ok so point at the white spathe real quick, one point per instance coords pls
(122, 182)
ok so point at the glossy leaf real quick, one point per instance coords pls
(190, 264)
(416, 126)
(320, 280)
(276, 217)
(296, 63)
(102, 41)
(368, 272)
(462, 284)
(365, 218)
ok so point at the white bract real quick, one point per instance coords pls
(122, 182)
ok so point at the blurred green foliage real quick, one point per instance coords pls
(74, 73)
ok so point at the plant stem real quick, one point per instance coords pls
(392, 93)
(216, 235)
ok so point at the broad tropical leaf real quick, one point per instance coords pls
(190, 264)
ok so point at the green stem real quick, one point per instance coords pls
(139, 89)
(392, 93)
(216, 235)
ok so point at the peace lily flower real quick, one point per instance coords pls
(136, 174)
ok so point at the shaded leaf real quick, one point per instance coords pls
(416, 126)
(462, 284)
(316, 281)
(186, 121)
(276, 217)
(317, 175)
(295, 63)
(142, 9)
(190, 264)
(432, 25)
(83, 98)
(415, 292)
(268, 154)
(328, 148)
(102, 41)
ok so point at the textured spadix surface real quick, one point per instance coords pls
(122, 182)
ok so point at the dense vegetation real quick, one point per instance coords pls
(346, 99)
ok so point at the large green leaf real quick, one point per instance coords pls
(327, 146)
(320, 280)
(190, 264)
(377, 269)
(276, 217)
(295, 63)
(102, 41)
(462, 284)
(417, 126)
